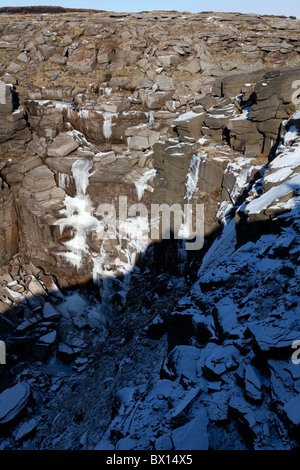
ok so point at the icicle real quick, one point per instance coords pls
(151, 118)
(63, 180)
(80, 172)
(78, 214)
(107, 123)
(191, 184)
(141, 184)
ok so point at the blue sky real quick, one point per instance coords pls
(269, 7)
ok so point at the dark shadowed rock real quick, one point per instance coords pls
(13, 401)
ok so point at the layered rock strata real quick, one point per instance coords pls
(107, 110)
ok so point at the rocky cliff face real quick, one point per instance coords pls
(102, 110)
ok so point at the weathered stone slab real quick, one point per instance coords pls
(62, 145)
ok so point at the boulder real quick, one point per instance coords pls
(167, 61)
(189, 125)
(9, 79)
(165, 83)
(182, 361)
(66, 353)
(252, 385)
(292, 410)
(156, 100)
(37, 148)
(44, 346)
(180, 414)
(26, 429)
(104, 57)
(39, 179)
(23, 57)
(274, 343)
(144, 82)
(47, 51)
(82, 60)
(138, 142)
(193, 67)
(14, 68)
(50, 313)
(62, 145)
(244, 414)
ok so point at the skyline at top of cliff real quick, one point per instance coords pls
(276, 7)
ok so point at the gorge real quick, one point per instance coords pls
(116, 340)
